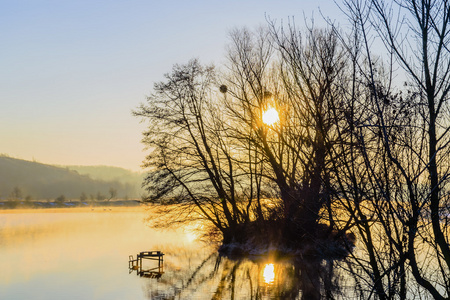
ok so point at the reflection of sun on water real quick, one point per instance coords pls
(270, 116)
(269, 274)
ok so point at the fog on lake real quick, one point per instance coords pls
(83, 253)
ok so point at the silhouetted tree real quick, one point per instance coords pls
(100, 196)
(193, 158)
(393, 179)
(60, 199)
(16, 194)
(212, 150)
(298, 74)
(83, 197)
(112, 193)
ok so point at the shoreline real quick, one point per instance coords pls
(96, 209)
(13, 205)
(50, 207)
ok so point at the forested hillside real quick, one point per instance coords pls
(109, 173)
(21, 179)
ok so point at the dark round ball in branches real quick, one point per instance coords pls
(267, 95)
(223, 89)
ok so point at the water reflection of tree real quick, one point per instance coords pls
(216, 277)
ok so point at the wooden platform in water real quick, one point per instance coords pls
(137, 264)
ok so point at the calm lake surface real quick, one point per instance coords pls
(83, 254)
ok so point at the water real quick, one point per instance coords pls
(83, 254)
(76, 254)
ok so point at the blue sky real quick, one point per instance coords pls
(72, 71)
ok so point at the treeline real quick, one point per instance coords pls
(109, 173)
(26, 180)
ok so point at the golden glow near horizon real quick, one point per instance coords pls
(269, 273)
(270, 116)
(190, 236)
(191, 232)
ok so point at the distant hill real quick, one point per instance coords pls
(41, 181)
(108, 173)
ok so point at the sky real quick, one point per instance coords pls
(71, 72)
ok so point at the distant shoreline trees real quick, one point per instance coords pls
(41, 181)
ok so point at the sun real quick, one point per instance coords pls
(270, 116)
(269, 274)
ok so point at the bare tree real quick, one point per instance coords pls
(112, 193)
(193, 160)
(399, 203)
(312, 65)
(16, 194)
(297, 76)
(214, 157)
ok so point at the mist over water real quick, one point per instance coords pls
(82, 253)
(75, 254)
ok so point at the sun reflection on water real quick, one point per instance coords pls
(269, 274)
